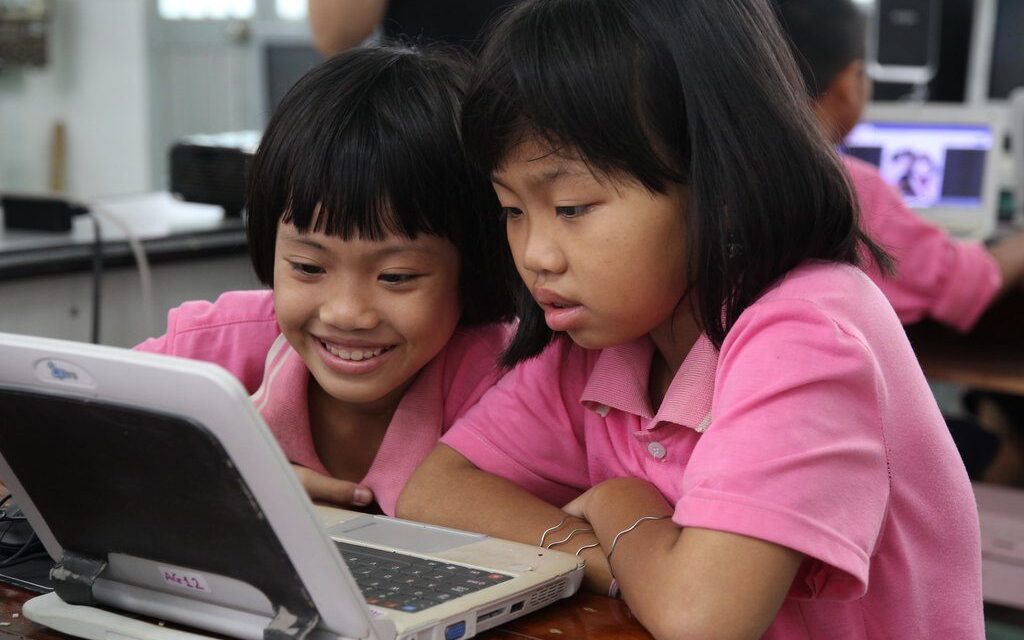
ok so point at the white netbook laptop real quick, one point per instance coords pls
(944, 160)
(158, 490)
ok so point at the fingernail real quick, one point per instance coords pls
(362, 496)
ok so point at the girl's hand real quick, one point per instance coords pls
(617, 491)
(323, 488)
(578, 507)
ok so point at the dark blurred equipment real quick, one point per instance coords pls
(904, 41)
(950, 80)
(24, 30)
(284, 62)
(997, 50)
(38, 213)
(212, 169)
(458, 22)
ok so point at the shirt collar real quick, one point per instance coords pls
(620, 378)
(415, 428)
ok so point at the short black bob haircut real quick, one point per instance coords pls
(371, 138)
(703, 93)
(826, 36)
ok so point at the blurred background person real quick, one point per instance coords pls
(338, 25)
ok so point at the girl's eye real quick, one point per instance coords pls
(398, 278)
(573, 212)
(306, 269)
(510, 212)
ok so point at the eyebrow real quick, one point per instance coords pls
(303, 240)
(383, 252)
(561, 171)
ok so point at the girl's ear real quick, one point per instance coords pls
(840, 106)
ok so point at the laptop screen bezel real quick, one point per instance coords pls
(207, 395)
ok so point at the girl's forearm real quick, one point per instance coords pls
(688, 583)
(450, 491)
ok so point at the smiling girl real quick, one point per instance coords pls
(384, 254)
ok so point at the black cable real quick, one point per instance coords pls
(97, 277)
(28, 550)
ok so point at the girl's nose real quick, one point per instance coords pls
(536, 248)
(350, 308)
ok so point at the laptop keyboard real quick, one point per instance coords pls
(406, 583)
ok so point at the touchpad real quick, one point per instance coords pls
(401, 534)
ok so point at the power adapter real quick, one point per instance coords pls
(38, 213)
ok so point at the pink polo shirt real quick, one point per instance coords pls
(951, 281)
(239, 332)
(812, 428)
(235, 332)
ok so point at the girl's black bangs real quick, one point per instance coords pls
(600, 100)
(387, 168)
(368, 187)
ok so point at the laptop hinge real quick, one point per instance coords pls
(74, 575)
(288, 626)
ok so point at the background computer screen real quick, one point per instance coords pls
(931, 165)
(283, 64)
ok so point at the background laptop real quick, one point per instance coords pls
(944, 161)
(155, 486)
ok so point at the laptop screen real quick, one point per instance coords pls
(931, 164)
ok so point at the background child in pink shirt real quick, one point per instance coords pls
(726, 406)
(936, 276)
(383, 250)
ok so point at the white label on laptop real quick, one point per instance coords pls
(184, 579)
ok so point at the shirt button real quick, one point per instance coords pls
(657, 450)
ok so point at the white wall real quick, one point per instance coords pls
(96, 83)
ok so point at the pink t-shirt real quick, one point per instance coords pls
(951, 281)
(239, 332)
(812, 428)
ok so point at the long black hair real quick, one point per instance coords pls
(702, 93)
(367, 144)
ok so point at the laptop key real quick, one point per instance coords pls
(406, 583)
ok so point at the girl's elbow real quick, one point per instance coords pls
(695, 623)
(682, 630)
(678, 626)
(421, 487)
(408, 501)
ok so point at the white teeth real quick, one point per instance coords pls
(354, 355)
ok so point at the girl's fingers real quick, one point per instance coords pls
(326, 489)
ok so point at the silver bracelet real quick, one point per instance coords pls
(571, 534)
(615, 540)
(550, 529)
(587, 546)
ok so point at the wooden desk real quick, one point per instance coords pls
(583, 616)
(990, 357)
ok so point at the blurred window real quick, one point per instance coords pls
(208, 9)
(291, 9)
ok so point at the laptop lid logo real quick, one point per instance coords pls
(53, 371)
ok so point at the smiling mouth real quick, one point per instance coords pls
(354, 355)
